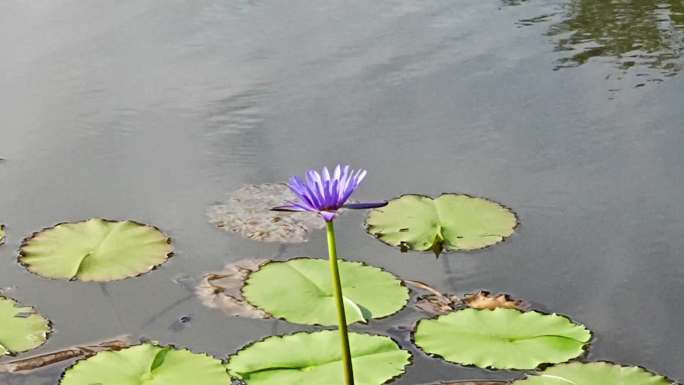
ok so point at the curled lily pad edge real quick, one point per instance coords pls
(48, 325)
(407, 300)
(30, 237)
(580, 358)
(246, 346)
(504, 239)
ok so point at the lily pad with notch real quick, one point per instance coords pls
(315, 358)
(147, 364)
(95, 250)
(502, 338)
(248, 212)
(593, 373)
(21, 328)
(300, 291)
(452, 222)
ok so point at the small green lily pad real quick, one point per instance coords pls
(21, 328)
(593, 373)
(300, 291)
(147, 364)
(315, 359)
(449, 222)
(502, 338)
(95, 250)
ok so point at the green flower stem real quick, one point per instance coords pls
(339, 302)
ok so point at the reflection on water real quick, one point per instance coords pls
(645, 34)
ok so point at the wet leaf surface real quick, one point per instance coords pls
(315, 359)
(502, 338)
(300, 291)
(593, 373)
(248, 212)
(21, 328)
(223, 289)
(30, 364)
(95, 250)
(147, 364)
(449, 222)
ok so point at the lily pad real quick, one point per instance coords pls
(593, 373)
(300, 291)
(21, 328)
(449, 222)
(2, 235)
(502, 338)
(315, 359)
(147, 364)
(223, 289)
(248, 213)
(95, 250)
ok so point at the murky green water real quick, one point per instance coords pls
(568, 111)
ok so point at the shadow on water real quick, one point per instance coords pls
(645, 35)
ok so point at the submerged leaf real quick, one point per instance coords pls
(223, 289)
(142, 365)
(249, 213)
(435, 302)
(30, 364)
(300, 291)
(593, 373)
(315, 359)
(448, 222)
(486, 300)
(502, 338)
(21, 328)
(95, 250)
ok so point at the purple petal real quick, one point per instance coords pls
(326, 174)
(367, 205)
(301, 191)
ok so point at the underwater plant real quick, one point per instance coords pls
(326, 193)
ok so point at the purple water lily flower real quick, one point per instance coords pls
(325, 193)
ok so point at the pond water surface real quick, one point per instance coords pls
(568, 111)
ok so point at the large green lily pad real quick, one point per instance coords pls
(95, 250)
(21, 328)
(300, 291)
(315, 359)
(448, 222)
(147, 364)
(502, 338)
(593, 373)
